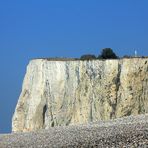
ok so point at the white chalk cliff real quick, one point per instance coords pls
(57, 93)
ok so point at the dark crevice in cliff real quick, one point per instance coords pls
(48, 106)
(77, 71)
(91, 112)
(117, 83)
(44, 113)
(68, 121)
(67, 71)
(118, 77)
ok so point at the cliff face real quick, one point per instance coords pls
(59, 93)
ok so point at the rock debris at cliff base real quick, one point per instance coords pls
(126, 132)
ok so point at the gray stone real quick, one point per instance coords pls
(125, 132)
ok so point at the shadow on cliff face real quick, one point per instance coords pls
(44, 112)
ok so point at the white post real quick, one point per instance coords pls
(135, 53)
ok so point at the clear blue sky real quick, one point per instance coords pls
(63, 28)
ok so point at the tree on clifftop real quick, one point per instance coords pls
(107, 53)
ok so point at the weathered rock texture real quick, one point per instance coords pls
(59, 93)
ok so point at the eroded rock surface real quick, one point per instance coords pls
(57, 93)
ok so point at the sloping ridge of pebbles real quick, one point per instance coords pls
(129, 131)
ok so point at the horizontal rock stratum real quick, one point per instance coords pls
(129, 132)
(69, 92)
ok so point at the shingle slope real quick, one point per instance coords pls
(130, 131)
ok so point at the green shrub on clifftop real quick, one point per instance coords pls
(107, 53)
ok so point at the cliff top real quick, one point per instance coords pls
(78, 59)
